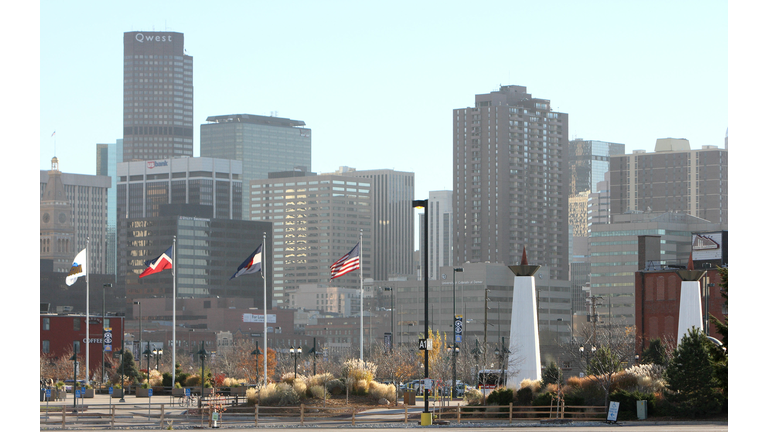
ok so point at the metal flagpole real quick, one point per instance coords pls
(87, 313)
(173, 337)
(361, 295)
(264, 275)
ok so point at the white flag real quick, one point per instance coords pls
(78, 268)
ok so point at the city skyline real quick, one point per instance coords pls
(624, 72)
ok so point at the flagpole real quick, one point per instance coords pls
(264, 275)
(361, 295)
(87, 312)
(173, 337)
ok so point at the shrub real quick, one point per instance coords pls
(280, 394)
(378, 390)
(335, 387)
(534, 385)
(359, 370)
(473, 396)
(251, 396)
(182, 378)
(359, 387)
(317, 391)
(524, 396)
(628, 403)
(177, 385)
(192, 381)
(624, 381)
(501, 396)
(319, 379)
(167, 379)
(545, 399)
(300, 387)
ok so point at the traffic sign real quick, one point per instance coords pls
(425, 344)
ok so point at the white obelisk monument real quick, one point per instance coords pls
(524, 329)
(690, 300)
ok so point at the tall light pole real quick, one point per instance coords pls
(103, 329)
(295, 353)
(140, 332)
(202, 353)
(425, 274)
(455, 348)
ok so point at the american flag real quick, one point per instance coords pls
(347, 263)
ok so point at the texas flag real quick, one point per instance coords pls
(252, 264)
(164, 261)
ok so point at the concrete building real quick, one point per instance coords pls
(327, 299)
(392, 229)
(510, 181)
(621, 248)
(440, 231)
(588, 162)
(73, 214)
(157, 96)
(317, 219)
(208, 252)
(142, 187)
(263, 145)
(672, 179)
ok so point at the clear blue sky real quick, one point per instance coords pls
(377, 82)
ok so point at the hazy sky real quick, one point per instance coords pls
(377, 81)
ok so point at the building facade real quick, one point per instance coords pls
(674, 178)
(107, 158)
(263, 144)
(588, 161)
(440, 231)
(73, 214)
(144, 186)
(618, 250)
(510, 181)
(157, 96)
(317, 219)
(392, 207)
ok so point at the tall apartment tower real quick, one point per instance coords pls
(157, 96)
(672, 179)
(392, 206)
(316, 220)
(440, 231)
(263, 144)
(107, 158)
(78, 202)
(510, 181)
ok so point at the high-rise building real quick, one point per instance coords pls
(317, 219)
(510, 181)
(107, 158)
(73, 215)
(142, 187)
(263, 144)
(392, 207)
(588, 161)
(672, 179)
(157, 96)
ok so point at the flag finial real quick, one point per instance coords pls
(524, 261)
(690, 262)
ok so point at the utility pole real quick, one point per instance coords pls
(485, 329)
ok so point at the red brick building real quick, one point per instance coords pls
(657, 305)
(60, 333)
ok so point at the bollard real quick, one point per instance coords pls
(63, 417)
(510, 412)
(113, 417)
(162, 414)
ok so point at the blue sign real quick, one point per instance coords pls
(150, 392)
(186, 392)
(47, 393)
(77, 393)
(111, 390)
(458, 338)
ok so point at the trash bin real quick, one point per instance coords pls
(642, 409)
(409, 398)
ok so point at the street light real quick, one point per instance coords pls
(256, 353)
(455, 349)
(74, 373)
(140, 332)
(147, 353)
(103, 330)
(425, 275)
(295, 353)
(157, 352)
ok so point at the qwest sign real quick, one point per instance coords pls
(141, 37)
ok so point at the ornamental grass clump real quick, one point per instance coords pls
(382, 391)
(280, 394)
(251, 396)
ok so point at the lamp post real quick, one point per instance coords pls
(140, 332)
(455, 348)
(425, 275)
(147, 353)
(295, 353)
(103, 329)
(74, 373)
(157, 352)
(122, 361)
(202, 353)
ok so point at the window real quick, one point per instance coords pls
(46, 323)
(76, 324)
(46, 347)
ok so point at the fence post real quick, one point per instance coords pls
(162, 415)
(458, 413)
(210, 417)
(510, 412)
(63, 417)
(353, 416)
(406, 413)
(302, 414)
(256, 415)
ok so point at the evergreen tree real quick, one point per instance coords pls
(656, 353)
(129, 366)
(720, 353)
(552, 374)
(690, 377)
